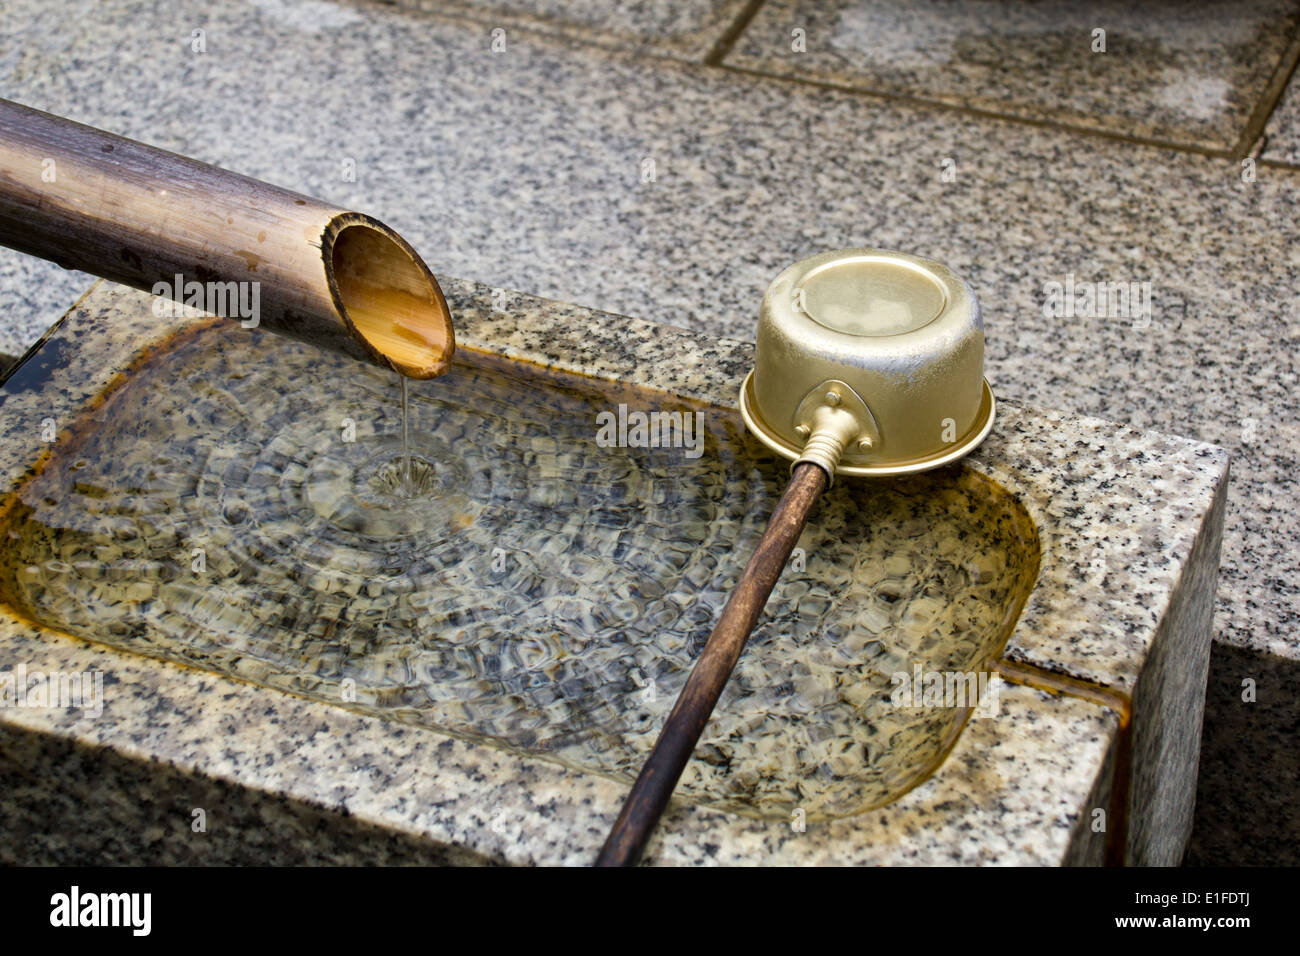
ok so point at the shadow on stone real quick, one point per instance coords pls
(1245, 814)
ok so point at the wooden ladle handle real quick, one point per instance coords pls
(662, 769)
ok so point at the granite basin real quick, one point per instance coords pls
(540, 590)
(206, 515)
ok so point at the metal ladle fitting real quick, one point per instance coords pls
(867, 363)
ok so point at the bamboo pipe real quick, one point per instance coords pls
(103, 204)
(659, 775)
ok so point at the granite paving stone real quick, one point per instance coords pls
(1174, 71)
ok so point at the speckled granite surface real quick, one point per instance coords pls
(33, 294)
(1168, 705)
(1283, 128)
(1013, 790)
(687, 29)
(145, 812)
(1174, 71)
(749, 175)
(732, 204)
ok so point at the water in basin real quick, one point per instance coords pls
(236, 503)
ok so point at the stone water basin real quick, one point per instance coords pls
(204, 516)
(223, 506)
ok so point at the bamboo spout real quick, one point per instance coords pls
(151, 219)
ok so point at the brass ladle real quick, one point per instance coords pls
(867, 363)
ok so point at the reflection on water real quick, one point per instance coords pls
(537, 591)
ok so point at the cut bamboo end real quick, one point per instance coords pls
(145, 217)
(387, 296)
